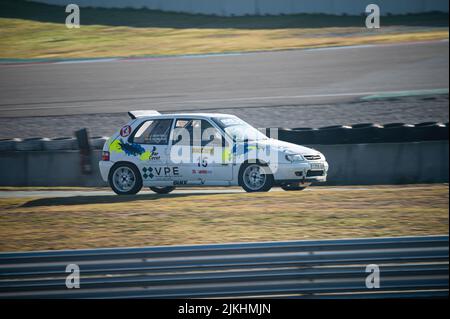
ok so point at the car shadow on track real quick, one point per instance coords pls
(107, 199)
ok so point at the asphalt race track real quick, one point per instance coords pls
(265, 79)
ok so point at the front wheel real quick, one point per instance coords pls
(162, 190)
(255, 178)
(125, 179)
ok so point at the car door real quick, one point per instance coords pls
(198, 156)
(212, 164)
(151, 146)
(183, 153)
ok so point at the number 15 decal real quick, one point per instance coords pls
(202, 162)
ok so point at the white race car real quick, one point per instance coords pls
(162, 151)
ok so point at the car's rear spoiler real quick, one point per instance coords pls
(142, 113)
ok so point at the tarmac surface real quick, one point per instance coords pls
(294, 88)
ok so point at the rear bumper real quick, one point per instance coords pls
(105, 167)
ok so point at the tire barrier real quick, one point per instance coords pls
(396, 133)
(46, 144)
(429, 131)
(336, 134)
(299, 135)
(306, 135)
(290, 135)
(362, 133)
(366, 133)
(60, 144)
(97, 142)
(31, 144)
(8, 144)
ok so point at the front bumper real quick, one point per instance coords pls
(306, 172)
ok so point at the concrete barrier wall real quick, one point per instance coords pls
(47, 168)
(390, 163)
(350, 164)
(266, 7)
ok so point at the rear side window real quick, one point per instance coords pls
(155, 132)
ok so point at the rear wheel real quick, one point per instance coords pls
(125, 179)
(162, 190)
(255, 177)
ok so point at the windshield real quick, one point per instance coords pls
(239, 130)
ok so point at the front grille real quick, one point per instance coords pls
(314, 173)
(312, 157)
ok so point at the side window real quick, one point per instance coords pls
(197, 127)
(210, 135)
(195, 132)
(155, 132)
(182, 132)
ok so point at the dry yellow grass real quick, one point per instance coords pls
(322, 213)
(30, 39)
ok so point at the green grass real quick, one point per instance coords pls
(322, 213)
(31, 30)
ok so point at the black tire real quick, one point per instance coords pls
(265, 186)
(135, 185)
(292, 187)
(162, 190)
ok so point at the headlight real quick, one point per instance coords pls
(294, 158)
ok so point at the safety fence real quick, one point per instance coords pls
(344, 268)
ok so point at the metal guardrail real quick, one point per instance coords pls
(409, 267)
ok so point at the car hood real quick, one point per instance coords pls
(284, 146)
